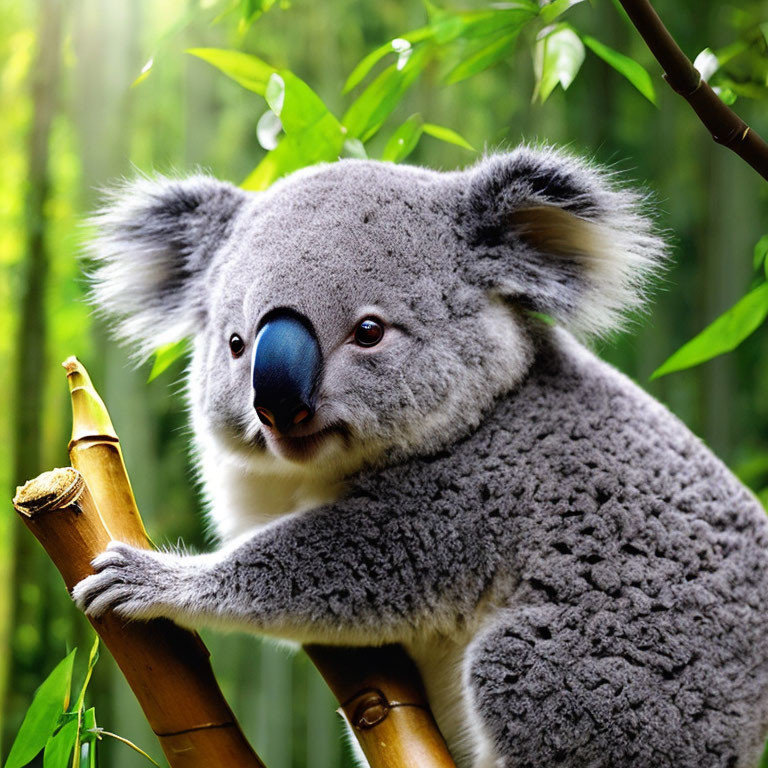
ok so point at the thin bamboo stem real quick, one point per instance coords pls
(726, 127)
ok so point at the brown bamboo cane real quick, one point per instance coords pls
(379, 689)
(383, 701)
(166, 666)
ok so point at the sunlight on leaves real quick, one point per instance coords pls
(558, 57)
(483, 58)
(707, 64)
(404, 140)
(398, 46)
(723, 335)
(146, 71)
(447, 135)
(557, 8)
(249, 71)
(367, 113)
(760, 257)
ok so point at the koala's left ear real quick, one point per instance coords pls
(553, 234)
(154, 242)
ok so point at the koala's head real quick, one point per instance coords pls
(363, 310)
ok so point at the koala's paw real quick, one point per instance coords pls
(134, 583)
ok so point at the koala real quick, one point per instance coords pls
(402, 441)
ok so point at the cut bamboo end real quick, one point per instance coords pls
(48, 492)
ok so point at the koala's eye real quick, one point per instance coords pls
(369, 332)
(236, 345)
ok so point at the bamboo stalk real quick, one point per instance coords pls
(382, 699)
(166, 666)
(379, 689)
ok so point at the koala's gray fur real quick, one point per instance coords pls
(581, 582)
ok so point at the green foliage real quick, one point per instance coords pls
(61, 733)
(723, 335)
(558, 57)
(405, 138)
(624, 65)
(740, 68)
(44, 714)
(760, 257)
(166, 355)
(249, 71)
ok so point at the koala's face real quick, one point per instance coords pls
(361, 260)
(364, 311)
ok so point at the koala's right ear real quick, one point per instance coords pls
(151, 252)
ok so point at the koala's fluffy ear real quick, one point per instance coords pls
(154, 243)
(555, 235)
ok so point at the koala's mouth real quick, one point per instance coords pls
(304, 447)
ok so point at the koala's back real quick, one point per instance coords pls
(633, 628)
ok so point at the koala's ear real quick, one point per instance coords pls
(154, 242)
(555, 235)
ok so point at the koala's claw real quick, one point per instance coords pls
(127, 581)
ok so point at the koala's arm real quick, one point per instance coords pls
(358, 571)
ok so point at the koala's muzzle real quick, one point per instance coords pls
(286, 367)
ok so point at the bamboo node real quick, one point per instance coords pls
(52, 490)
(372, 707)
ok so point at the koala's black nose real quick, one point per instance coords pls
(286, 367)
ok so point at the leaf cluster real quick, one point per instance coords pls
(66, 735)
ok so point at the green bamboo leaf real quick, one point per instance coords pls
(723, 335)
(553, 10)
(252, 9)
(475, 25)
(558, 56)
(399, 45)
(354, 148)
(367, 113)
(624, 65)
(49, 702)
(483, 58)
(447, 135)
(58, 749)
(300, 108)
(404, 140)
(93, 657)
(322, 144)
(761, 253)
(146, 71)
(166, 356)
(249, 71)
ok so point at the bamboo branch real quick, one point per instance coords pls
(726, 127)
(166, 666)
(383, 701)
(379, 689)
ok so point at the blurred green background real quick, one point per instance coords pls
(71, 123)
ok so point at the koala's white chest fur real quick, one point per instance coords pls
(242, 501)
(441, 662)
